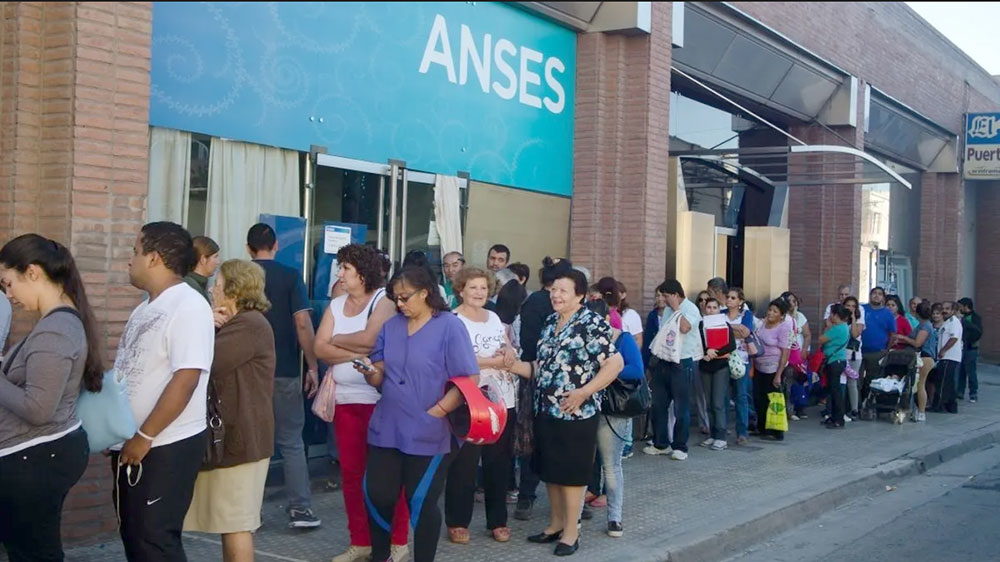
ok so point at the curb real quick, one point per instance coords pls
(805, 506)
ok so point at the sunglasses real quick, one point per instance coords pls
(403, 299)
(702, 300)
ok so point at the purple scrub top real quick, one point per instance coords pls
(416, 370)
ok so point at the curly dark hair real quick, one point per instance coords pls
(366, 261)
(173, 243)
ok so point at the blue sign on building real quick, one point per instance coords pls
(445, 86)
(982, 146)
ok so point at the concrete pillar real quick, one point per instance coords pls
(621, 144)
(73, 157)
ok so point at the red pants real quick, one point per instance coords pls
(350, 425)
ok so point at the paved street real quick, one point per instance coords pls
(711, 506)
(948, 513)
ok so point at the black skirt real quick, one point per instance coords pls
(564, 450)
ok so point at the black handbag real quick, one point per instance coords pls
(216, 438)
(626, 398)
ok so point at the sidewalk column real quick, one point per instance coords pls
(942, 212)
(619, 218)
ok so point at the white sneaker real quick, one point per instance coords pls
(707, 443)
(719, 445)
(847, 418)
(354, 553)
(795, 418)
(400, 552)
(678, 455)
(921, 417)
(651, 450)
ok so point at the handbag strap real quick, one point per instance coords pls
(607, 421)
(10, 358)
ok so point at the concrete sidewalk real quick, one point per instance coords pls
(705, 508)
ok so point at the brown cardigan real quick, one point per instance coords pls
(243, 377)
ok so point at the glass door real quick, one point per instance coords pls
(417, 220)
(349, 202)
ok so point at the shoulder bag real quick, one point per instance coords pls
(216, 439)
(626, 398)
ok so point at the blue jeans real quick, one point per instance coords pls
(610, 447)
(741, 396)
(671, 383)
(969, 359)
(289, 418)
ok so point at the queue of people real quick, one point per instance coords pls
(212, 378)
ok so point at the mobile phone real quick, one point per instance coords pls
(361, 365)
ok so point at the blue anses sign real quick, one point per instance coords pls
(445, 86)
(982, 146)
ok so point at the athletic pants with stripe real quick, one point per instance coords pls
(422, 480)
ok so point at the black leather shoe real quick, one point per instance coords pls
(563, 549)
(523, 510)
(542, 538)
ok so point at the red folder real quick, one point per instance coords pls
(717, 338)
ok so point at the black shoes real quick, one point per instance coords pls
(563, 549)
(523, 510)
(587, 513)
(542, 538)
(615, 529)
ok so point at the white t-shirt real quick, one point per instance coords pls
(176, 331)
(952, 328)
(487, 338)
(691, 347)
(351, 385)
(800, 321)
(632, 322)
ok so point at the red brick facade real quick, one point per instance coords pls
(73, 131)
(621, 145)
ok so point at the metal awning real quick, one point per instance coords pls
(734, 52)
(798, 165)
(588, 17)
(904, 135)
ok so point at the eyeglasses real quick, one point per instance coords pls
(403, 299)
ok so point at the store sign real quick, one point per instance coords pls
(481, 87)
(982, 146)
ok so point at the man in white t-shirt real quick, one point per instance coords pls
(671, 382)
(950, 357)
(164, 357)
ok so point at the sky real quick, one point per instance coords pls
(970, 25)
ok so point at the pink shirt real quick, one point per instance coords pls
(774, 340)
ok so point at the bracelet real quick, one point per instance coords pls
(440, 407)
(143, 435)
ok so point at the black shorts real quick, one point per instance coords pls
(565, 450)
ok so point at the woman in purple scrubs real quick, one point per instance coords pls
(415, 354)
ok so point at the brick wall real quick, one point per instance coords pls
(74, 106)
(942, 212)
(987, 297)
(621, 142)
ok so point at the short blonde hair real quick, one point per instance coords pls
(244, 282)
(467, 274)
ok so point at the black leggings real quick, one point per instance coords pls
(763, 383)
(33, 484)
(422, 479)
(461, 487)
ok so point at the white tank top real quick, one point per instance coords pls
(351, 385)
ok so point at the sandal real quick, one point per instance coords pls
(458, 535)
(501, 534)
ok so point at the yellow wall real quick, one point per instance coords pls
(765, 264)
(532, 225)
(695, 256)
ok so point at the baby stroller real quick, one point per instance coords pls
(890, 391)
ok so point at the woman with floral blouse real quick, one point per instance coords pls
(576, 359)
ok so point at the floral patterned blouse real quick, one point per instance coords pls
(570, 359)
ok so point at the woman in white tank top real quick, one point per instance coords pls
(347, 332)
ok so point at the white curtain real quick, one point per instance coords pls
(245, 180)
(448, 213)
(169, 175)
